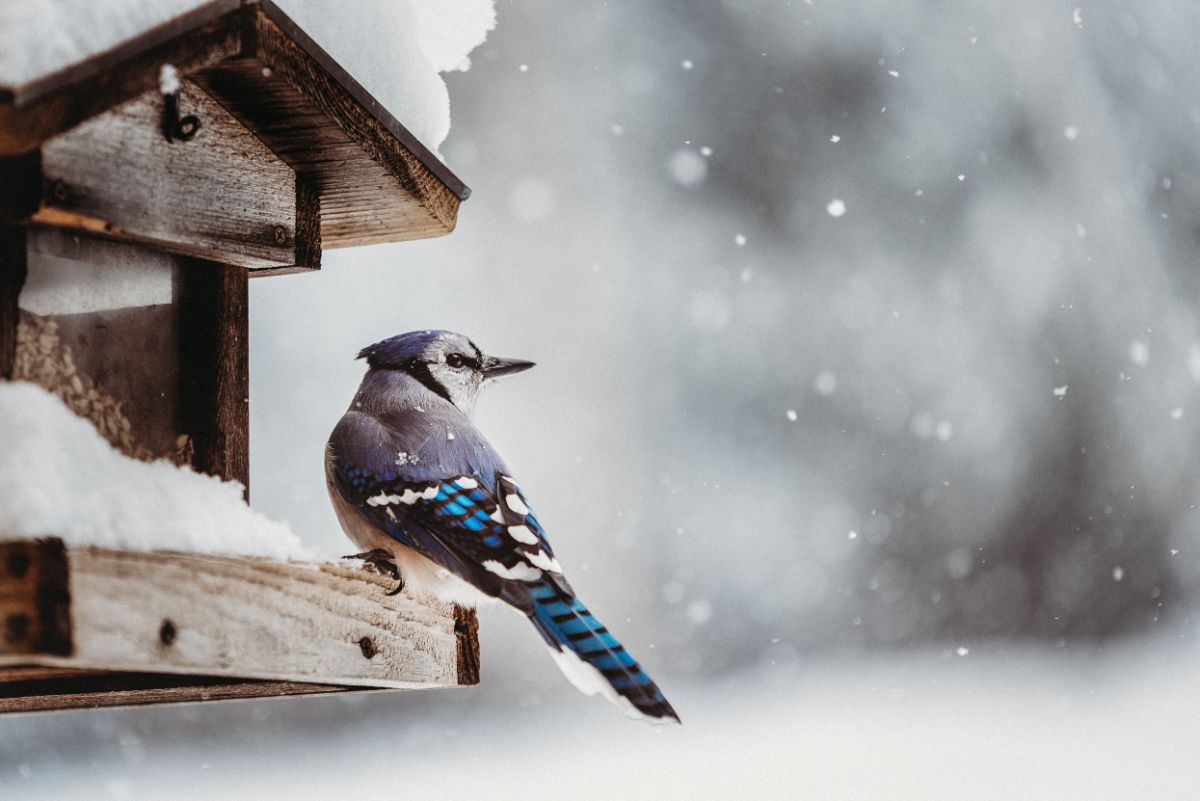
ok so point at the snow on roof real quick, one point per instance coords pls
(59, 477)
(395, 48)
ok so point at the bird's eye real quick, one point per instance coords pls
(455, 360)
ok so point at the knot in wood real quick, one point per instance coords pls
(368, 647)
(167, 632)
(281, 235)
(16, 628)
(17, 565)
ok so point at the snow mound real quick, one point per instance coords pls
(61, 478)
(395, 48)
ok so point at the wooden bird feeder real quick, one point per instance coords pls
(139, 190)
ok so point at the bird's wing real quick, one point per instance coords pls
(479, 527)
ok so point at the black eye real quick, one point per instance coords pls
(455, 360)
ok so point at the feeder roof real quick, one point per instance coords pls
(376, 181)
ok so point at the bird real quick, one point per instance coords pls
(418, 488)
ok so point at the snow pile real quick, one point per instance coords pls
(395, 48)
(60, 478)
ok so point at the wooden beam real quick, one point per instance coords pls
(13, 271)
(139, 627)
(214, 366)
(86, 689)
(221, 194)
(33, 112)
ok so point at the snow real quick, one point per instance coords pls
(397, 49)
(687, 167)
(62, 479)
(1031, 725)
(836, 207)
(825, 383)
(1139, 353)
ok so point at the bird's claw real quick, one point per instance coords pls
(381, 561)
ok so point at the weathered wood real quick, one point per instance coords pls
(99, 330)
(33, 112)
(466, 629)
(218, 622)
(86, 689)
(13, 270)
(34, 599)
(376, 182)
(221, 195)
(214, 367)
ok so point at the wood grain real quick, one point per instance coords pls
(214, 368)
(376, 182)
(84, 689)
(222, 195)
(173, 626)
(34, 600)
(13, 271)
(33, 112)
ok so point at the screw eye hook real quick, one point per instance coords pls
(176, 127)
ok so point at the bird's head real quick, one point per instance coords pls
(448, 364)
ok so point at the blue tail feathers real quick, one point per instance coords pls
(570, 629)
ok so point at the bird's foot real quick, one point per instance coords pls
(381, 561)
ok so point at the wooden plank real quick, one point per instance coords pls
(82, 689)
(214, 366)
(221, 195)
(33, 112)
(217, 622)
(362, 171)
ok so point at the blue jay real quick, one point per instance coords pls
(417, 487)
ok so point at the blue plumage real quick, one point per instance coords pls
(408, 472)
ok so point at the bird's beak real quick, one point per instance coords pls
(494, 367)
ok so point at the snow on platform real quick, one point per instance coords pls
(60, 478)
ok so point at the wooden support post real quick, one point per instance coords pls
(100, 627)
(13, 265)
(214, 367)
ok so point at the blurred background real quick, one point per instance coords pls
(866, 413)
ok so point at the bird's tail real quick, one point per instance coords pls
(590, 657)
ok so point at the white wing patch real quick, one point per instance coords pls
(466, 482)
(523, 534)
(409, 497)
(545, 562)
(514, 502)
(518, 572)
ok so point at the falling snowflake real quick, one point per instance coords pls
(403, 458)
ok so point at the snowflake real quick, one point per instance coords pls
(404, 458)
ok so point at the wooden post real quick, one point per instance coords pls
(12, 278)
(214, 363)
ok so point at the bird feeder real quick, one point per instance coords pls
(140, 189)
